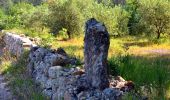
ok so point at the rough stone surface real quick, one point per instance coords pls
(96, 45)
(16, 44)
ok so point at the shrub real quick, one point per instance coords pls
(20, 13)
(37, 21)
(65, 14)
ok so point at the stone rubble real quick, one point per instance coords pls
(60, 82)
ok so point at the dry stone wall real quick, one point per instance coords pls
(59, 82)
(16, 44)
(48, 69)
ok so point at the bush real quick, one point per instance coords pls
(37, 21)
(20, 13)
(65, 14)
(155, 15)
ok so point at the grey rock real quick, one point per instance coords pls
(47, 92)
(54, 71)
(96, 45)
(111, 94)
(41, 79)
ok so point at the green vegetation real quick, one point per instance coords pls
(157, 17)
(149, 72)
(19, 80)
(139, 30)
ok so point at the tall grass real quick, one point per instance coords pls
(150, 74)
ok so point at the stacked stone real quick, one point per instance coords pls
(15, 44)
(58, 82)
(45, 66)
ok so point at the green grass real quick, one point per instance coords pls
(21, 84)
(152, 73)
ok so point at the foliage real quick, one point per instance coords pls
(46, 40)
(65, 14)
(115, 19)
(2, 17)
(37, 21)
(19, 14)
(155, 15)
(134, 27)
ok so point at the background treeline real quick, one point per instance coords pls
(67, 17)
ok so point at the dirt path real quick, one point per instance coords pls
(150, 51)
(5, 94)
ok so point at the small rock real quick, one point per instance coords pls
(111, 94)
(67, 96)
(54, 71)
(119, 78)
(79, 72)
(47, 92)
(82, 95)
(61, 51)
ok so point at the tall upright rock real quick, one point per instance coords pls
(96, 45)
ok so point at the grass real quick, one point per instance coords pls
(21, 84)
(150, 74)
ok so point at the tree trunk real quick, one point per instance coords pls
(158, 35)
(69, 35)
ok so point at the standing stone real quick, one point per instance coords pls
(96, 45)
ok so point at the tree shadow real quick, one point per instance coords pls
(140, 44)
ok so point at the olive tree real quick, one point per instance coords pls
(65, 14)
(155, 15)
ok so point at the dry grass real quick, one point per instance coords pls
(118, 46)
